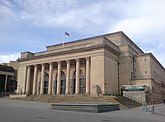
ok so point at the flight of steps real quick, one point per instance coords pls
(125, 103)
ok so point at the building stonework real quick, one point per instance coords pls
(98, 65)
(7, 80)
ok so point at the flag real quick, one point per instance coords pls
(67, 34)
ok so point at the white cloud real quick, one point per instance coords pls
(146, 19)
(6, 3)
(8, 57)
(84, 17)
(133, 17)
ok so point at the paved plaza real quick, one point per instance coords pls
(25, 111)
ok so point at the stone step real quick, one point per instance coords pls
(124, 102)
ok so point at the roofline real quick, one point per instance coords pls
(103, 35)
(85, 39)
(7, 68)
(151, 55)
(62, 52)
(131, 41)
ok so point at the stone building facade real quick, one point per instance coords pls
(98, 65)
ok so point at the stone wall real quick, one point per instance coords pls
(138, 96)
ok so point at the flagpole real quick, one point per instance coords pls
(65, 34)
(63, 40)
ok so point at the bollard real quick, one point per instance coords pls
(145, 107)
(153, 109)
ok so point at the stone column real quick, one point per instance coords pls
(59, 78)
(28, 80)
(77, 75)
(35, 79)
(6, 79)
(67, 77)
(53, 83)
(38, 84)
(50, 78)
(42, 79)
(87, 76)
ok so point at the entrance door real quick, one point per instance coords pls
(73, 84)
(63, 83)
(45, 87)
(82, 85)
(46, 79)
(55, 86)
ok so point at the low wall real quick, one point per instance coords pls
(94, 107)
(17, 95)
(138, 96)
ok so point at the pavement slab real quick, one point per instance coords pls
(27, 111)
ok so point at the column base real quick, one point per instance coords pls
(77, 94)
(58, 94)
(49, 94)
(27, 94)
(67, 94)
(87, 94)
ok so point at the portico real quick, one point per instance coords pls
(59, 77)
(76, 68)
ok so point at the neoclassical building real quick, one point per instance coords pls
(100, 65)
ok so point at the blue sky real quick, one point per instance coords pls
(31, 25)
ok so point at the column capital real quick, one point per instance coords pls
(43, 64)
(29, 66)
(35, 65)
(87, 58)
(77, 59)
(58, 62)
(50, 63)
(67, 61)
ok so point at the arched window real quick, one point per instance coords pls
(73, 83)
(46, 80)
(55, 85)
(82, 83)
(62, 83)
